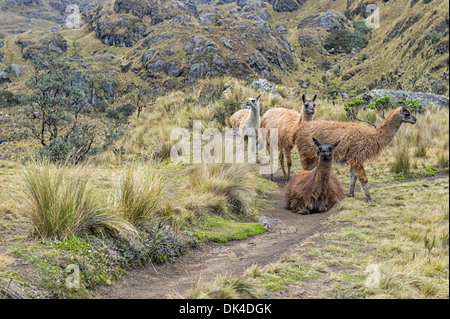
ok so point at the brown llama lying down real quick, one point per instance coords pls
(318, 190)
(358, 143)
(287, 122)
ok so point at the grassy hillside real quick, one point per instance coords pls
(408, 51)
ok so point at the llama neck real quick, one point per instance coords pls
(388, 128)
(305, 117)
(323, 173)
(253, 120)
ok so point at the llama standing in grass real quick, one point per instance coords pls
(318, 190)
(358, 143)
(247, 120)
(287, 122)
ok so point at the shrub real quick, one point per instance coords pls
(343, 41)
(61, 202)
(325, 65)
(56, 151)
(139, 194)
(8, 98)
(122, 112)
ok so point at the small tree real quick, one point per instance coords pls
(352, 109)
(55, 102)
(141, 96)
(380, 105)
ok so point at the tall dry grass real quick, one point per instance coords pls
(236, 183)
(138, 194)
(61, 201)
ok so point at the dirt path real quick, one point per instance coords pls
(286, 231)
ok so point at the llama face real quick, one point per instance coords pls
(407, 116)
(309, 106)
(253, 102)
(325, 149)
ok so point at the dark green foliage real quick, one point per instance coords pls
(122, 112)
(325, 65)
(101, 106)
(343, 40)
(224, 109)
(55, 151)
(8, 98)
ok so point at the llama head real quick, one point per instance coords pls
(325, 149)
(309, 106)
(253, 103)
(406, 116)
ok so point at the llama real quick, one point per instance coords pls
(287, 122)
(247, 120)
(358, 145)
(317, 190)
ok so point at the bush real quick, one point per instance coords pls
(61, 202)
(343, 41)
(122, 112)
(56, 151)
(8, 98)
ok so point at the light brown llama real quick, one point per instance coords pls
(318, 190)
(358, 143)
(287, 122)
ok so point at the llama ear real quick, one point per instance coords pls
(316, 142)
(335, 144)
(314, 97)
(258, 96)
(303, 98)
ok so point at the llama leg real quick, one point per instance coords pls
(289, 164)
(362, 177)
(352, 182)
(305, 211)
(269, 147)
(281, 159)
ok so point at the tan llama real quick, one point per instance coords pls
(358, 143)
(287, 122)
(317, 190)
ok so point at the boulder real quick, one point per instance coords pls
(284, 5)
(263, 84)
(329, 20)
(8, 73)
(196, 71)
(425, 99)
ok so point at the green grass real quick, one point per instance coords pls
(220, 230)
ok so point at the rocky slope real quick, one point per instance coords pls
(170, 44)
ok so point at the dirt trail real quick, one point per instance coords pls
(233, 257)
